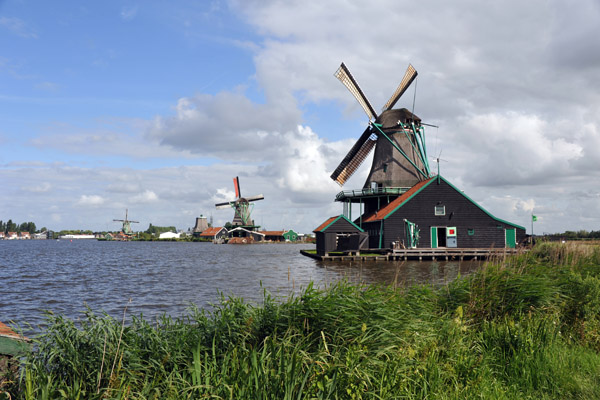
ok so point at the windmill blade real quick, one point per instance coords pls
(409, 77)
(355, 157)
(236, 185)
(344, 76)
(227, 204)
(255, 198)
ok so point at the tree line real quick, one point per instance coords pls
(575, 235)
(10, 226)
(153, 229)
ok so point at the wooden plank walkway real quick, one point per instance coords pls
(446, 254)
(450, 254)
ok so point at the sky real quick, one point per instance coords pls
(155, 106)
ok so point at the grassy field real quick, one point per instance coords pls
(526, 327)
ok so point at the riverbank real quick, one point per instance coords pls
(527, 326)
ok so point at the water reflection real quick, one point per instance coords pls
(400, 273)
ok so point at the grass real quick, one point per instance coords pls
(523, 327)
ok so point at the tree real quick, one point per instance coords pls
(152, 229)
(10, 226)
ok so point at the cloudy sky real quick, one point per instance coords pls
(155, 106)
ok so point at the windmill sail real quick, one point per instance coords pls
(409, 77)
(228, 204)
(236, 185)
(255, 198)
(355, 157)
(399, 159)
(344, 76)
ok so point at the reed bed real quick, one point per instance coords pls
(522, 327)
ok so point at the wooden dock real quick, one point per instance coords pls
(440, 254)
(448, 254)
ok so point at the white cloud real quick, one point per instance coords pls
(513, 149)
(42, 187)
(148, 196)
(18, 27)
(90, 200)
(128, 13)
(224, 126)
(222, 195)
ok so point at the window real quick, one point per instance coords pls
(384, 167)
(470, 231)
(440, 210)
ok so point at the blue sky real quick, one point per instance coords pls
(156, 106)
(72, 66)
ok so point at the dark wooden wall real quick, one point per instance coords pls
(460, 213)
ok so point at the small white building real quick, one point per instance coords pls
(77, 236)
(169, 235)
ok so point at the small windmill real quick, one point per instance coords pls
(243, 206)
(126, 224)
(397, 135)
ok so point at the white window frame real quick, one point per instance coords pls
(438, 213)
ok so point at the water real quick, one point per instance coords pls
(152, 278)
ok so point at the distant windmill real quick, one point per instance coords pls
(242, 205)
(126, 224)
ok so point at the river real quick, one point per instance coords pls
(152, 278)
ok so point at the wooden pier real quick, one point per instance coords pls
(448, 254)
(439, 254)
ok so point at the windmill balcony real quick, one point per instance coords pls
(351, 195)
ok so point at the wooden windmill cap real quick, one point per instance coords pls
(389, 119)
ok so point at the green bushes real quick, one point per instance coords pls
(525, 327)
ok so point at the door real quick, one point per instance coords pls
(451, 236)
(412, 234)
(434, 235)
(511, 238)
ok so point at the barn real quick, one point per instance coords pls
(434, 213)
(214, 233)
(290, 236)
(339, 234)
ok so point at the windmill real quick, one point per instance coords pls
(242, 205)
(126, 224)
(397, 137)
